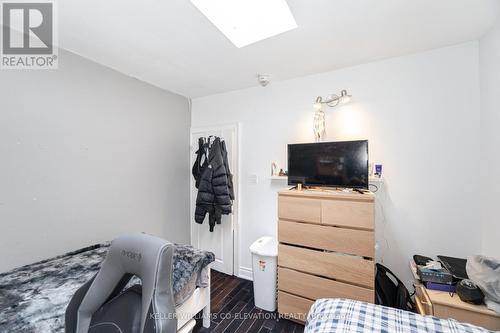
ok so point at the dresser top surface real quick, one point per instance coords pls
(329, 194)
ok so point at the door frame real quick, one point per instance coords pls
(236, 182)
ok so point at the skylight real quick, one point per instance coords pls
(245, 22)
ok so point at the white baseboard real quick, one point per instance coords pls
(245, 273)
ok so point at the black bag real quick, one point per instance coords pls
(390, 291)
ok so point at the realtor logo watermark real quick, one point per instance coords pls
(29, 33)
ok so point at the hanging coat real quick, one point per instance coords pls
(214, 195)
(198, 167)
(229, 175)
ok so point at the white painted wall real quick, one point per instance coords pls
(86, 154)
(489, 69)
(421, 116)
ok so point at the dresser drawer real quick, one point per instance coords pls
(345, 213)
(314, 287)
(293, 307)
(358, 242)
(332, 265)
(299, 209)
(466, 316)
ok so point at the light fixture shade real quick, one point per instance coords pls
(344, 97)
(319, 125)
(317, 105)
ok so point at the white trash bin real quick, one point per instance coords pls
(264, 259)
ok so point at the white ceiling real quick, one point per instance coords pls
(170, 44)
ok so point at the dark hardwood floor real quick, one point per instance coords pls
(233, 310)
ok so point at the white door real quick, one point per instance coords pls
(221, 240)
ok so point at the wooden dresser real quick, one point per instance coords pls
(326, 250)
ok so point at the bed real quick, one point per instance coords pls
(343, 315)
(33, 298)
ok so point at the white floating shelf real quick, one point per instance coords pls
(279, 178)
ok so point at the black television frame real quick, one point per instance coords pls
(332, 186)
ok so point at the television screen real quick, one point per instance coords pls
(338, 164)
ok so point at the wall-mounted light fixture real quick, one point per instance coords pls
(333, 100)
(319, 116)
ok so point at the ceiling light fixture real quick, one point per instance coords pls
(245, 22)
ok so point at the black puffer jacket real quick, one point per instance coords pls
(197, 166)
(229, 175)
(214, 194)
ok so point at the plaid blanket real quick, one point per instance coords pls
(344, 315)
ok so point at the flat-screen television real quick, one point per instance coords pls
(336, 164)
